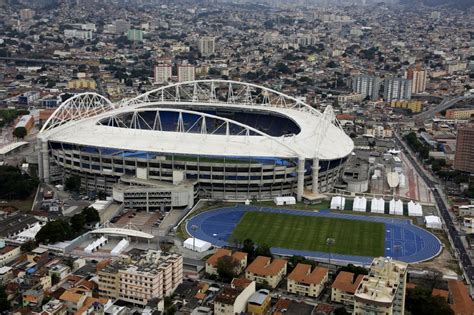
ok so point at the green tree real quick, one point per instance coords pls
(263, 250)
(91, 215)
(73, 183)
(53, 232)
(227, 268)
(28, 246)
(101, 195)
(419, 301)
(341, 311)
(296, 259)
(354, 269)
(248, 247)
(14, 184)
(20, 132)
(4, 303)
(77, 222)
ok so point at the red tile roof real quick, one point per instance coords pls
(302, 273)
(347, 282)
(263, 266)
(461, 301)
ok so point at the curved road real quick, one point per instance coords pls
(460, 250)
(445, 104)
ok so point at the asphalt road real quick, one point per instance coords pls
(454, 235)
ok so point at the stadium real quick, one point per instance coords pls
(215, 139)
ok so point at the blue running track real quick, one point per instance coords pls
(403, 240)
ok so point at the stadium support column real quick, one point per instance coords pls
(45, 159)
(315, 175)
(300, 172)
(40, 158)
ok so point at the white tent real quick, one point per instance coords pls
(360, 204)
(402, 181)
(396, 207)
(287, 200)
(377, 206)
(338, 203)
(95, 245)
(414, 209)
(196, 244)
(120, 247)
(433, 222)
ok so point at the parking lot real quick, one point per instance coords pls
(146, 222)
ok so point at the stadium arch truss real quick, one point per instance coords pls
(225, 139)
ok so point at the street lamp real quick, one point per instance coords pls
(194, 227)
(330, 242)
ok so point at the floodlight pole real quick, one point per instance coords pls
(330, 242)
(194, 227)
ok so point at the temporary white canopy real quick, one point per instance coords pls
(402, 181)
(360, 204)
(433, 222)
(414, 209)
(120, 247)
(287, 200)
(196, 245)
(378, 205)
(396, 207)
(95, 245)
(338, 203)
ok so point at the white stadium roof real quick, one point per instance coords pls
(122, 232)
(84, 129)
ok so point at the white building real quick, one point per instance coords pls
(382, 291)
(397, 89)
(418, 79)
(26, 14)
(207, 45)
(78, 34)
(163, 73)
(366, 86)
(186, 72)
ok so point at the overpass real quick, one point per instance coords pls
(445, 104)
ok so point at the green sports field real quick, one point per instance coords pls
(352, 237)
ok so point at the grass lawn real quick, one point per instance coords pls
(352, 237)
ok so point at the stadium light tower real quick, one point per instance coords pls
(330, 243)
(194, 227)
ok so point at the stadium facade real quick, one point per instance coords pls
(200, 139)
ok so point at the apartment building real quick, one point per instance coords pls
(344, 287)
(459, 113)
(382, 291)
(163, 73)
(418, 78)
(378, 131)
(264, 270)
(211, 262)
(303, 281)
(465, 149)
(397, 89)
(82, 84)
(8, 254)
(414, 106)
(145, 275)
(207, 45)
(186, 72)
(233, 300)
(366, 86)
(259, 302)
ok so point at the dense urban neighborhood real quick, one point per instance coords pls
(236, 157)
